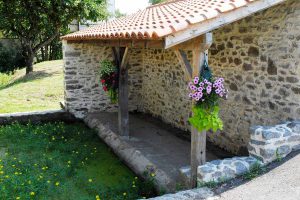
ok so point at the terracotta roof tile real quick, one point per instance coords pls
(159, 20)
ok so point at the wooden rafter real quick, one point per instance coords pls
(184, 63)
(158, 44)
(201, 28)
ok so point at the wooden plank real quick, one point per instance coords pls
(184, 63)
(212, 24)
(157, 44)
(123, 112)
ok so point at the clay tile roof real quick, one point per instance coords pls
(159, 20)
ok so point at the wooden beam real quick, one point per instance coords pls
(157, 44)
(123, 112)
(184, 63)
(201, 28)
(198, 139)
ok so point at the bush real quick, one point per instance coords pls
(10, 58)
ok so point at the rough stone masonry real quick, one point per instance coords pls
(258, 56)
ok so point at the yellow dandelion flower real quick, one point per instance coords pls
(57, 183)
(1, 172)
(32, 193)
(152, 174)
(90, 180)
(18, 198)
(124, 194)
(97, 197)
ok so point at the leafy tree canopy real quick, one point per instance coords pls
(152, 2)
(31, 21)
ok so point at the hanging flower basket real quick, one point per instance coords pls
(205, 94)
(109, 79)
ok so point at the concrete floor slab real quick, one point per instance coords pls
(152, 145)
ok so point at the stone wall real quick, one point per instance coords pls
(83, 90)
(259, 57)
(269, 143)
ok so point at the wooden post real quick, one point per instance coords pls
(123, 113)
(121, 59)
(198, 139)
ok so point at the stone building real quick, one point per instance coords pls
(256, 48)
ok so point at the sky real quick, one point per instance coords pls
(131, 6)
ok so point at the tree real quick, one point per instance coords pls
(31, 21)
(152, 2)
(118, 14)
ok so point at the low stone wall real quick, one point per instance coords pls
(221, 170)
(269, 143)
(37, 117)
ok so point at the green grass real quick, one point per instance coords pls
(40, 90)
(58, 161)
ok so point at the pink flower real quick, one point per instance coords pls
(208, 89)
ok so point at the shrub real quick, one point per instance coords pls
(10, 58)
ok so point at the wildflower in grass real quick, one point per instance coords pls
(124, 194)
(1, 172)
(69, 162)
(152, 174)
(18, 197)
(97, 197)
(57, 184)
(90, 180)
(32, 193)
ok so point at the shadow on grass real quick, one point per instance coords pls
(28, 78)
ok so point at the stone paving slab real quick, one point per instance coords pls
(150, 146)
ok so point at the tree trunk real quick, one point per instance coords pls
(29, 63)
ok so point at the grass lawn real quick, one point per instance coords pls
(59, 161)
(40, 90)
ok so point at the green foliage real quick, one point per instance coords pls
(10, 58)
(255, 170)
(206, 118)
(109, 79)
(118, 14)
(106, 68)
(37, 23)
(152, 2)
(62, 161)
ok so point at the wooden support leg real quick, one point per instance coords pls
(198, 153)
(123, 114)
(198, 140)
